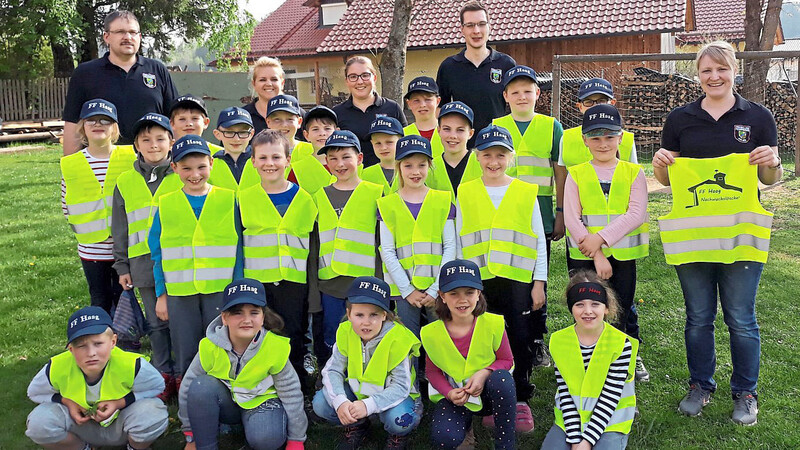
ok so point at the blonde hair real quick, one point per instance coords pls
(85, 140)
(721, 52)
(590, 276)
(362, 60)
(399, 174)
(265, 61)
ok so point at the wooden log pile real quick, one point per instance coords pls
(782, 101)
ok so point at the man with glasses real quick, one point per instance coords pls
(475, 75)
(134, 84)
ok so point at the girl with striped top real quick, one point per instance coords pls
(595, 401)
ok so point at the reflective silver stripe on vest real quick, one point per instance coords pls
(475, 237)
(294, 241)
(110, 199)
(536, 179)
(598, 220)
(633, 241)
(355, 259)
(699, 245)
(89, 227)
(215, 251)
(588, 403)
(86, 208)
(516, 261)
(244, 395)
(177, 252)
(515, 237)
(425, 271)
(325, 260)
(729, 220)
(364, 388)
(572, 243)
(213, 273)
(138, 214)
(179, 276)
(427, 248)
(479, 260)
(405, 251)
(528, 160)
(262, 263)
(260, 240)
(293, 263)
(138, 237)
(327, 236)
(348, 234)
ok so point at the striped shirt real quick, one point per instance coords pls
(100, 251)
(606, 403)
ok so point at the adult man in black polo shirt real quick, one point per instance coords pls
(134, 84)
(475, 75)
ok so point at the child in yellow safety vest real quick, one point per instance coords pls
(89, 177)
(384, 132)
(369, 372)
(188, 115)
(417, 229)
(284, 114)
(469, 362)
(277, 220)
(134, 204)
(241, 375)
(345, 232)
(605, 207)
(422, 98)
(456, 164)
(94, 394)
(195, 245)
(500, 229)
(311, 174)
(232, 169)
(595, 402)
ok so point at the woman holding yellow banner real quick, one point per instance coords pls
(715, 150)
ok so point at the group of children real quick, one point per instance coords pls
(234, 250)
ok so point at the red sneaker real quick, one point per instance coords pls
(169, 388)
(524, 421)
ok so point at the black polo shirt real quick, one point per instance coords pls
(692, 132)
(353, 119)
(147, 87)
(481, 88)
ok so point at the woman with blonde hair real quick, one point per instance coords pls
(266, 81)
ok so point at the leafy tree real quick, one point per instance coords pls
(760, 25)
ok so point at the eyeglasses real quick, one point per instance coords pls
(121, 33)
(239, 134)
(599, 101)
(473, 25)
(353, 77)
(99, 121)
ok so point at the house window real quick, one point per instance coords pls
(331, 13)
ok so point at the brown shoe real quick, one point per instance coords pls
(469, 441)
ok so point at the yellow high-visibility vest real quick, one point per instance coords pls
(141, 205)
(500, 241)
(532, 150)
(221, 175)
(439, 180)
(198, 255)
(716, 215)
(374, 174)
(598, 212)
(418, 242)
(311, 175)
(275, 246)
(437, 148)
(574, 151)
(585, 385)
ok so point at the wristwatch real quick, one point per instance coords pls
(189, 437)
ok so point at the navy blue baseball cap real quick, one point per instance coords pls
(340, 139)
(386, 125)
(234, 115)
(600, 119)
(191, 143)
(99, 107)
(459, 273)
(370, 290)
(412, 144)
(595, 86)
(319, 112)
(86, 321)
(422, 84)
(152, 119)
(283, 102)
(458, 108)
(189, 101)
(516, 72)
(494, 136)
(244, 291)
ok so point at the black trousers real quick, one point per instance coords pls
(104, 287)
(290, 301)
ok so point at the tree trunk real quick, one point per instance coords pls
(87, 49)
(393, 60)
(63, 65)
(759, 36)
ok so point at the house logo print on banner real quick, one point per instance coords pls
(711, 190)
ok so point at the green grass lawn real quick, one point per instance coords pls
(41, 283)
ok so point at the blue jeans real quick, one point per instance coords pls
(556, 439)
(333, 310)
(737, 284)
(210, 404)
(399, 420)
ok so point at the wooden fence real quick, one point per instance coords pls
(40, 99)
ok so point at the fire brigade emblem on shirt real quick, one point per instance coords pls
(149, 80)
(742, 133)
(496, 75)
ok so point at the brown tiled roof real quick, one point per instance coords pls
(291, 30)
(716, 19)
(366, 23)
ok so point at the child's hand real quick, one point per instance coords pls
(358, 410)
(161, 307)
(344, 413)
(415, 298)
(558, 226)
(190, 446)
(474, 386)
(591, 244)
(582, 445)
(126, 282)
(538, 295)
(107, 408)
(428, 301)
(76, 411)
(602, 266)
(458, 396)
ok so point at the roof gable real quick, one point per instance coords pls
(291, 30)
